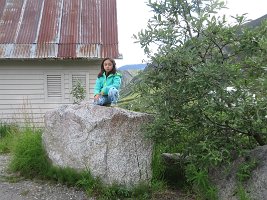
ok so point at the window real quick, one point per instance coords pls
(58, 85)
(54, 86)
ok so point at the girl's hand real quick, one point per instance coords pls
(96, 97)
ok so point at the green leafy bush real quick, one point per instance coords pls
(206, 84)
(78, 92)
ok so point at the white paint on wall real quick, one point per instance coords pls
(23, 85)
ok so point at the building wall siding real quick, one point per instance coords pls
(22, 87)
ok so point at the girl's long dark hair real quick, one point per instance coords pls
(102, 70)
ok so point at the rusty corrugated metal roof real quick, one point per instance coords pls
(58, 29)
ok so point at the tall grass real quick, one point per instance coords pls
(29, 157)
(7, 134)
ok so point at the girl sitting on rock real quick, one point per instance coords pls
(108, 82)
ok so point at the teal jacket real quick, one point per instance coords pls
(103, 83)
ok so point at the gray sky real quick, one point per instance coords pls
(134, 14)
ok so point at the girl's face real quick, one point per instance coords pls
(108, 66)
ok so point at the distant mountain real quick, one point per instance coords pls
(256, 22)
(133, 67)
(126, 77)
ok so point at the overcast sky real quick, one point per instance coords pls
(133, 16)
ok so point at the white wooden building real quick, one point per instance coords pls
(45, 47)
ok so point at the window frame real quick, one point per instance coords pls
(46, 79)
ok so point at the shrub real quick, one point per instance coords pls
(78, 92)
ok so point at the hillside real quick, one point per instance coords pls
(133, 67)
(126, 77)
(256, 22)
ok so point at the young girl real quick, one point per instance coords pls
(107, 84)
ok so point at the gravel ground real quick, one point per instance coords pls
(31, 189)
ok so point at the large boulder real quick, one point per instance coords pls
(105, 140)
(255, 187)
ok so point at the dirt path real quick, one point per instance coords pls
(32, 190)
